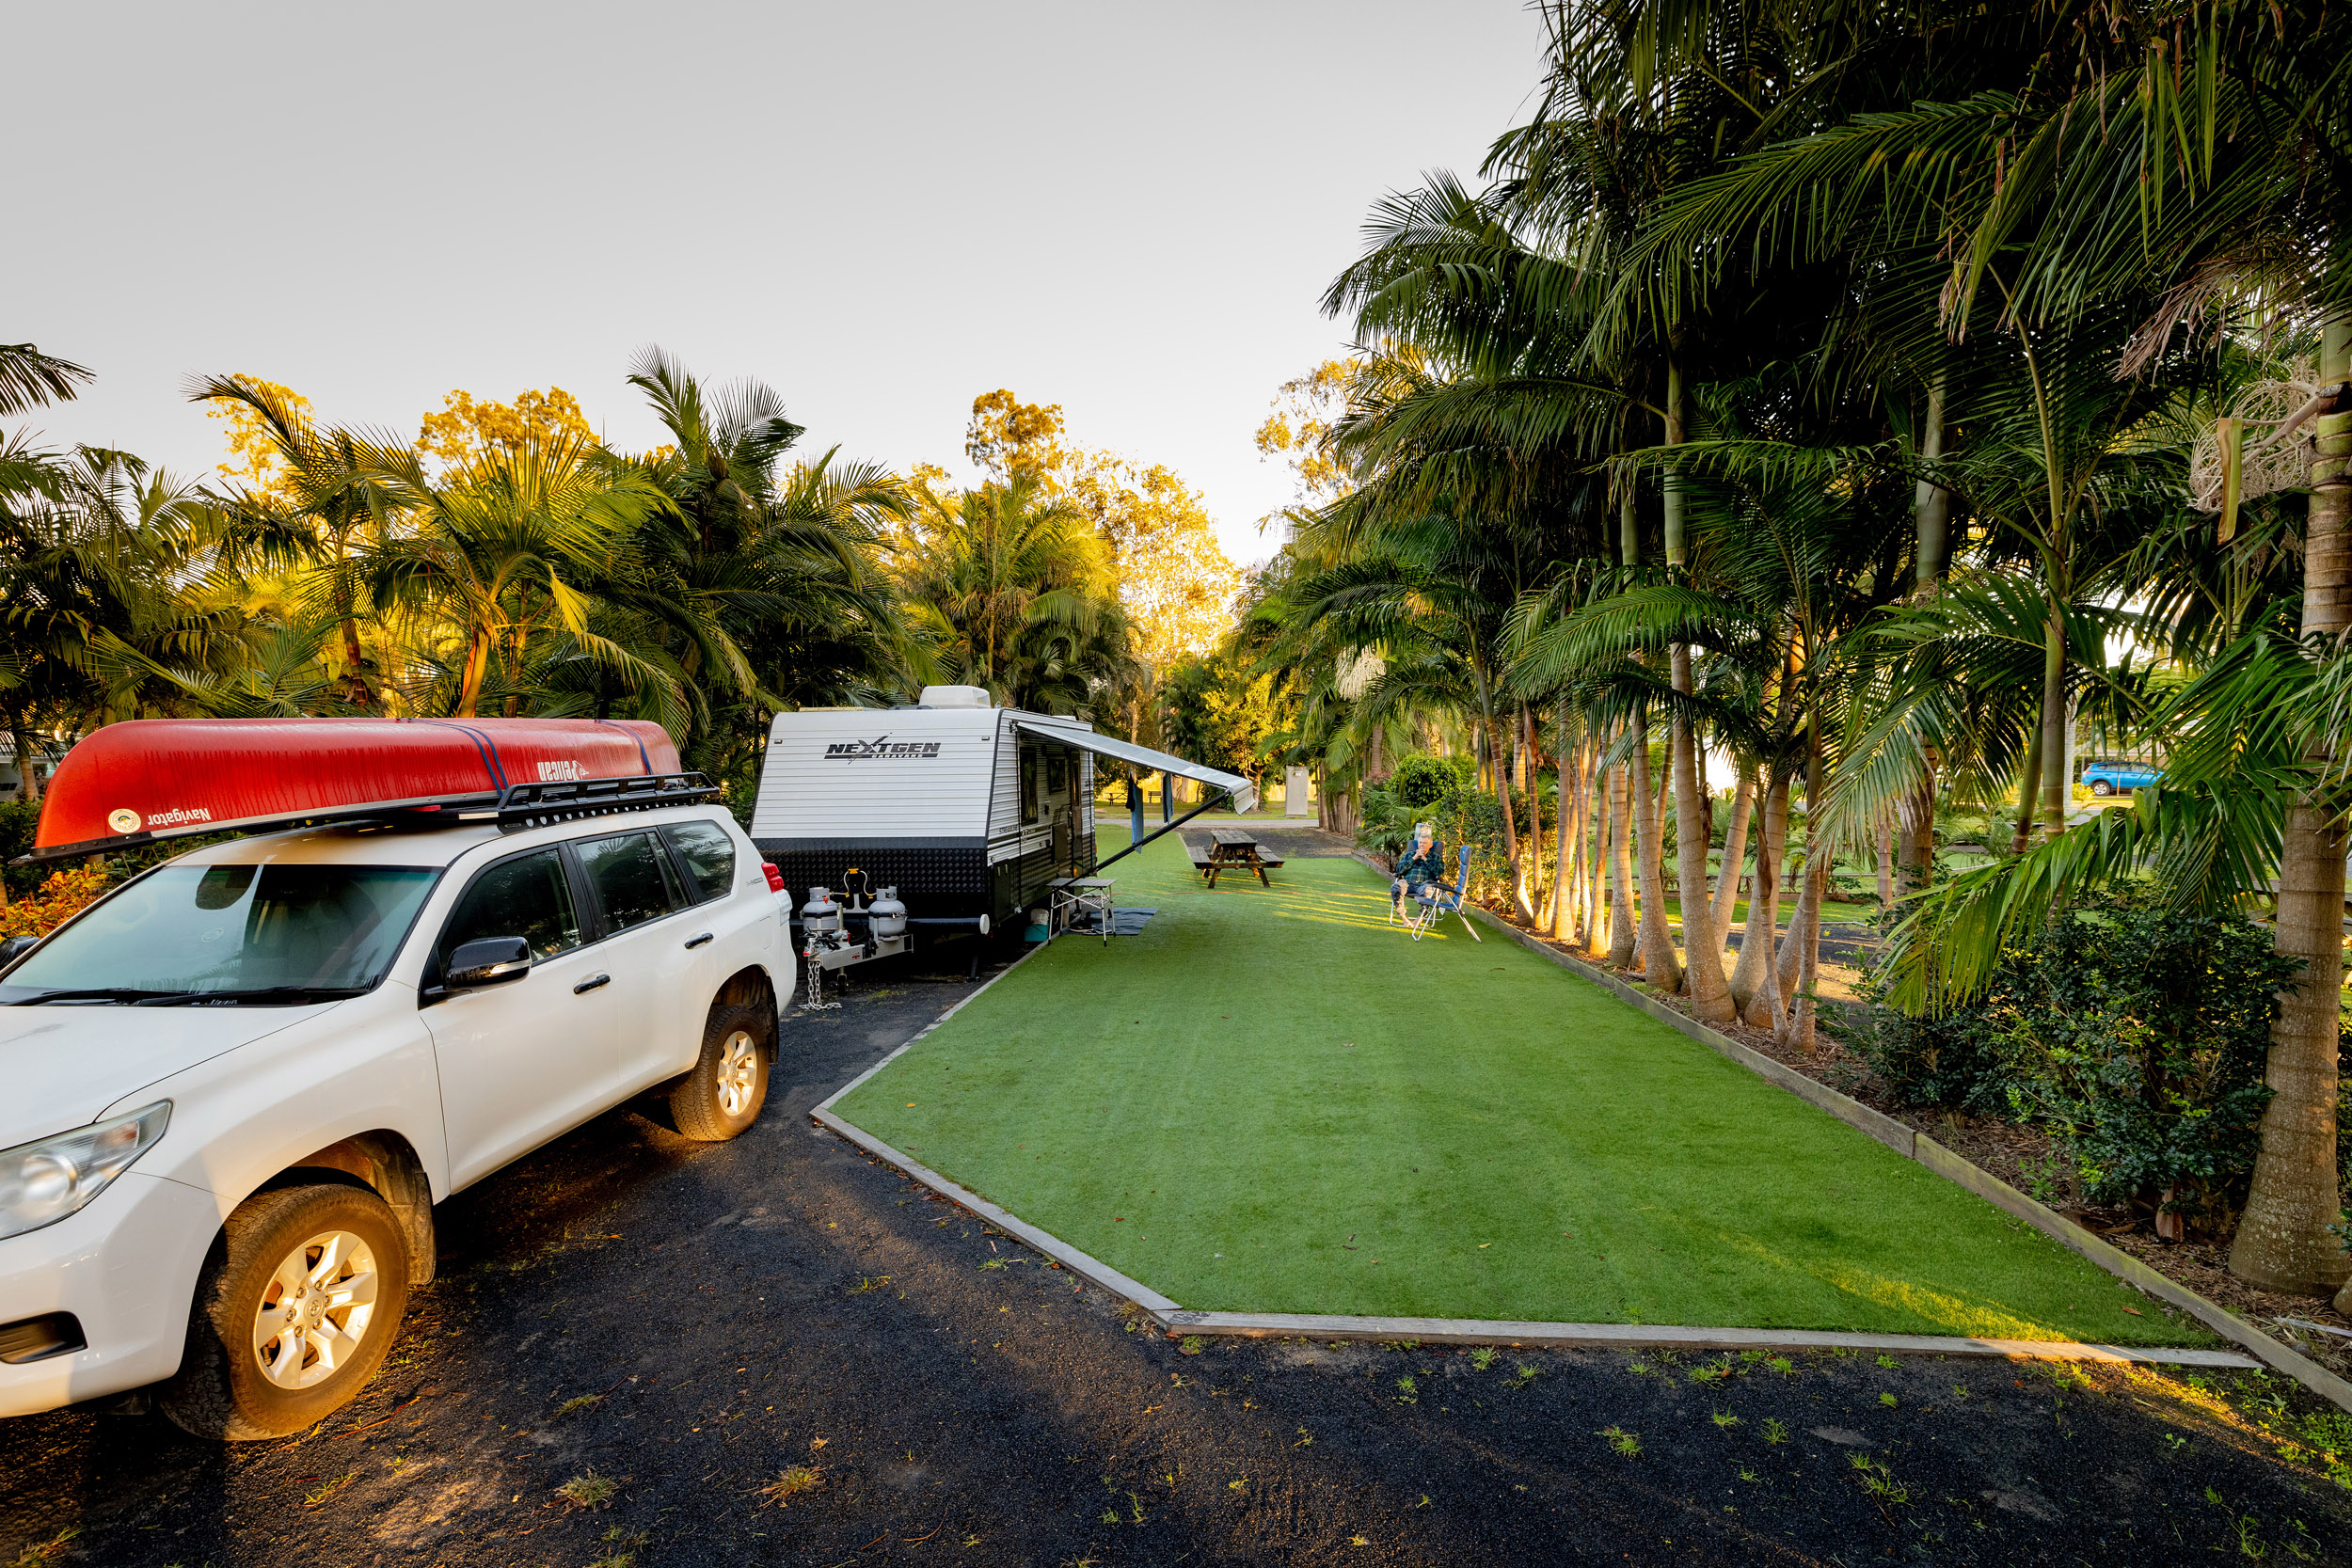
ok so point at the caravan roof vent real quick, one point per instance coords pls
(953, 696)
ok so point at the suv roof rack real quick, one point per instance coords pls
(535, 805)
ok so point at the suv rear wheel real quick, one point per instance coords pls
(292, 1315)
(721, 1098)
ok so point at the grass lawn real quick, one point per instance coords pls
(1270, 1101)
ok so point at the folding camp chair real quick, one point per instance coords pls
(1433, 904)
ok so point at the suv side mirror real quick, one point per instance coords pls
(15, 948)
(490, 961)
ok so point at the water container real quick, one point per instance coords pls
(889, 916)
(821, 915)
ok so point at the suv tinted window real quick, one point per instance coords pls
(234, 929)
(709, 855)
(632, 883)
(528, 896)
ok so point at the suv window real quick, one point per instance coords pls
(232, 932)
(630, 877)
(528, 896)
(709, 855)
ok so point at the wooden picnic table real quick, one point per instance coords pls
(1234, 848)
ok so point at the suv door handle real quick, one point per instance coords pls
(592, 983)
(697, 941)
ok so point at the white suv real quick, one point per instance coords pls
(237, 1085)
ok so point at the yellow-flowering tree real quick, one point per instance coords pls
(466, 426)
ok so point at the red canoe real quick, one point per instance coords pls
(164, 778)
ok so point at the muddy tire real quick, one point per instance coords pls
(293, 1312)
(721, 1098)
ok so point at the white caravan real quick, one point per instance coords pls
(968, 810)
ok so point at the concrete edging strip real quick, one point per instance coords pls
(1482, 1331)
(1952, 1167)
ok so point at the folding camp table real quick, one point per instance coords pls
(1072, 896)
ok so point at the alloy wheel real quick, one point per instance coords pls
(739, 1072)
(316, 1310)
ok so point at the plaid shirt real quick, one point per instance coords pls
(1427, 866)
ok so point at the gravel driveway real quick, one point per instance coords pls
(634, 1335)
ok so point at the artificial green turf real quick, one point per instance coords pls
(1271, 1101)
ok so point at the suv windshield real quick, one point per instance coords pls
(283, 934)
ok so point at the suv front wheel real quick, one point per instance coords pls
(292, 1315)
(722, 1096)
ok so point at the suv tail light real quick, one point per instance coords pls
(775, 877)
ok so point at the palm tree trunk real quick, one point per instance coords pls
(1735, 856)
(1789, 962)
(1661, 967)
(25, 758)
(1753, 991)
(2055, 785)
(477, 660)
(1886, 865)
(1711, 993)
(1621, 794)
(1805, 932)
(1567, 841)
(1530, 764)
(1596, 867)
(2028, 786)
(1801, 950)
(2282, 1239)
(1931, 504)
(1916, 867)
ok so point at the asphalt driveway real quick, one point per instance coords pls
(633, 1335)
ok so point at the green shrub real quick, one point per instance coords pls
(1422, 782)
(18, 819)
(2135, 1037)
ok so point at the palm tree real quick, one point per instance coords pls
(509, 552)
(333, 503)
(2187, 160)
(761, 582)
(1015, 589)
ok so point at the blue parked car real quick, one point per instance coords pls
(2105, 778)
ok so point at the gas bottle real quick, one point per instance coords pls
(889, 915)
(820, 916)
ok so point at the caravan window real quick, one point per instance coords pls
(1028, 786)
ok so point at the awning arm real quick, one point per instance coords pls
(1157, 831)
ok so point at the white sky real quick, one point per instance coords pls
(880, 210)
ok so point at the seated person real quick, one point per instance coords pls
(1421, 867)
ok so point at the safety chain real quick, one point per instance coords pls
(817, 991)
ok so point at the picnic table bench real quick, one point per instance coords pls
(1228, 849)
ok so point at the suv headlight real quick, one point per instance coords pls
(42, 1182)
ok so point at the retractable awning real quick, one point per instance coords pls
(1070, 733)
